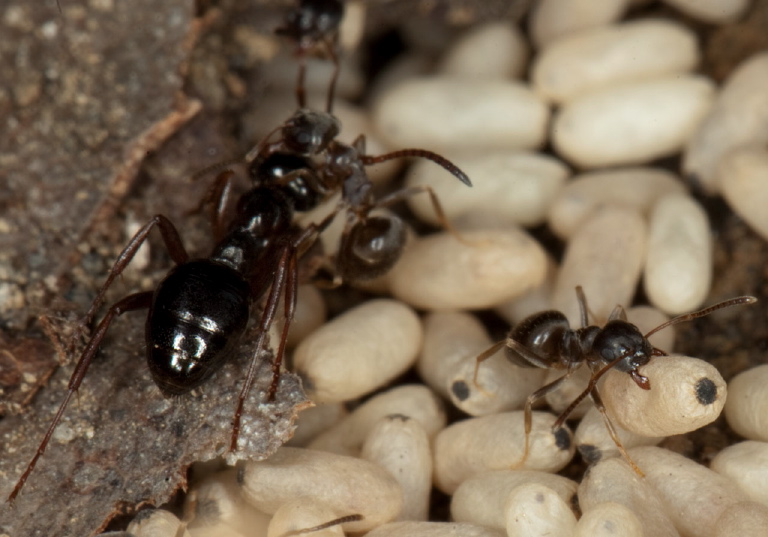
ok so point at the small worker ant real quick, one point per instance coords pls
(547, 341)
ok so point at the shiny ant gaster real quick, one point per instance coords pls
(547, 341)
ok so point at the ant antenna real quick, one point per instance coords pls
(419, 153)
(706, 311)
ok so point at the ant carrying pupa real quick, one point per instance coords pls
(198, 315)
(546, 340)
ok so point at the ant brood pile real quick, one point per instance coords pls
(619, 224)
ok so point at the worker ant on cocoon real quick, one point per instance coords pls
(547, 341)
(198, 314)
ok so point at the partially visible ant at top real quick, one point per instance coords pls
(547, 341)
(314, 26)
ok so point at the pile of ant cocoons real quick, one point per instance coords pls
(624, 222)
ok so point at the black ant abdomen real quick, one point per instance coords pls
(198, 314)
(370, 248)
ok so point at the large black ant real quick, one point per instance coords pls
(199, 312)
(546, 340)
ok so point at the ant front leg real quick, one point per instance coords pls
(218, 196)
(405, 193)
(129, 303)
(493, 349)
(173, 243)
(612, 430)
(285, 279)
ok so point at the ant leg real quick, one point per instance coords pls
(612, 431)
(218, 196)
(267, 317)
(301, 92)
(331, 49)
(172, 241)
(535, 396)
(289, 309)
(412, 191)
(440, 160)
(583, 308)
(324, 525)
(129, 303)
(618, 313)
(493, 349)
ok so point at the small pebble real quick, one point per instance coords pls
(605, 257)
(693, 496)
(739, 117)
(678, 263)
(747, 407)
(508, 187)
(415, 401)
(497, 442)
(446, 115)
(489, 267)
(359, 351)
(746, 463)
(631, 123)
(400, 445)
(612, 480)
(596, 58)
(534, 510)
(741, 175)
(608, 519)
(686, 394)
(552, 19)
(482, 499)
(636, 187)
(494, 50)
(347, 485)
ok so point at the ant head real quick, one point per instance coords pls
(312, 21)
(622, 344)
(308, 132)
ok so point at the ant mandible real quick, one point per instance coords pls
(547, 341)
